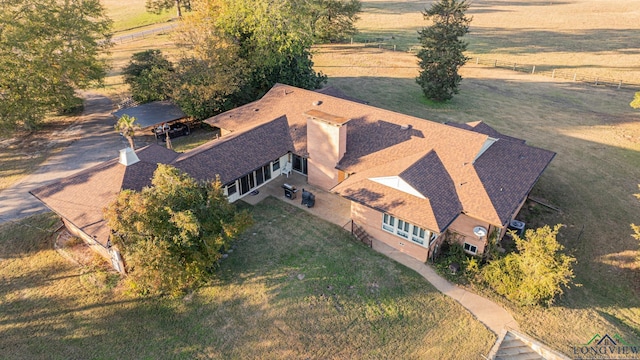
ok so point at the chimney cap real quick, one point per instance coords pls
(328, 118)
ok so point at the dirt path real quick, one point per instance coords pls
(98, 142)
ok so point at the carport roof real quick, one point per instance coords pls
(153, 113)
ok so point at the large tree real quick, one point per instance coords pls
(48, 48)
(333, 20)
(158, 6)
(442, 52)
(536, 273)
(173, 233)
(270, 38)
(148, 75)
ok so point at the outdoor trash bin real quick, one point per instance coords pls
(289, 191)
(308, 198)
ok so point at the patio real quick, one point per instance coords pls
(328, 206)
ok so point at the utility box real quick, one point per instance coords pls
(289, 191)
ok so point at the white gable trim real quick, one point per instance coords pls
(398, 183)
(487, 144)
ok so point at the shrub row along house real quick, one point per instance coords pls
(412, 183)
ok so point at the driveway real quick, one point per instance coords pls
(98, 142)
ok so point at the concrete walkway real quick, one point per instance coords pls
(492, 315)
(98, 142)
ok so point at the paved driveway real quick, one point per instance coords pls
(98, 142)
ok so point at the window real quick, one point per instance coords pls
(259, 176)
(472, 249)
(407, 230)
(403, 229)
(231, 188)
(267, 172)
(388, 222)
(276, 165)
(417, 235)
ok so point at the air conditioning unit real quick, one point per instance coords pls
(517, 226)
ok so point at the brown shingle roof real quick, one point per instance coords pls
(376, 138)
(81, 197)
(238, 154)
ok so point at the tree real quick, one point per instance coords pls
(332, 20)
(442, 50)
(48, 48)
(271, 39)
(203, 88)
(536, 273)
(148, 74)
(636, 101)
(127, 127)
(172, 233)
(158, 6)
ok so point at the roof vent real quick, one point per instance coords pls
(128, 157)
(317, 103)
(256, 109)
(405, 127)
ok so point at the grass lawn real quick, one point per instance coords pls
(132, 14)
(295, 286)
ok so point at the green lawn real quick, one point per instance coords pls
(295, 286)
(132, 14)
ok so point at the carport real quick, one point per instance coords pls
(153, 114)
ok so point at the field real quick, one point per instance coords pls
(286, 291)
(594, 132)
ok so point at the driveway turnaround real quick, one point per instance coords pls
(98, 142)
(492, 315)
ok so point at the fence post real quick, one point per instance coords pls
(495, 63)
(533, 71)
(553, 74)
(514, 66)
(351, 41)
(619, 84)
(596, 81)
(394, 48)
(379, 46)
(575, 76)
(477, 60)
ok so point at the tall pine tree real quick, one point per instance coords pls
(442, 50)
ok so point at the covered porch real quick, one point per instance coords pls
(328, 206)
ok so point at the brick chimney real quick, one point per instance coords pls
(128, 157)
(326, 145)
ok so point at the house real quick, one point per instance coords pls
(412, 183)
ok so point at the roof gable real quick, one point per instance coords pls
(234, 156)
(396, 182)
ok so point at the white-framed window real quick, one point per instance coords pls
(407, 230)
(403, 229)
(471, 249)
(231, 188)
(388, 222)
(418, 234)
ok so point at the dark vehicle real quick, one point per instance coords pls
(175, 130)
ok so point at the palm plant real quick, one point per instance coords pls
(127, 127)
